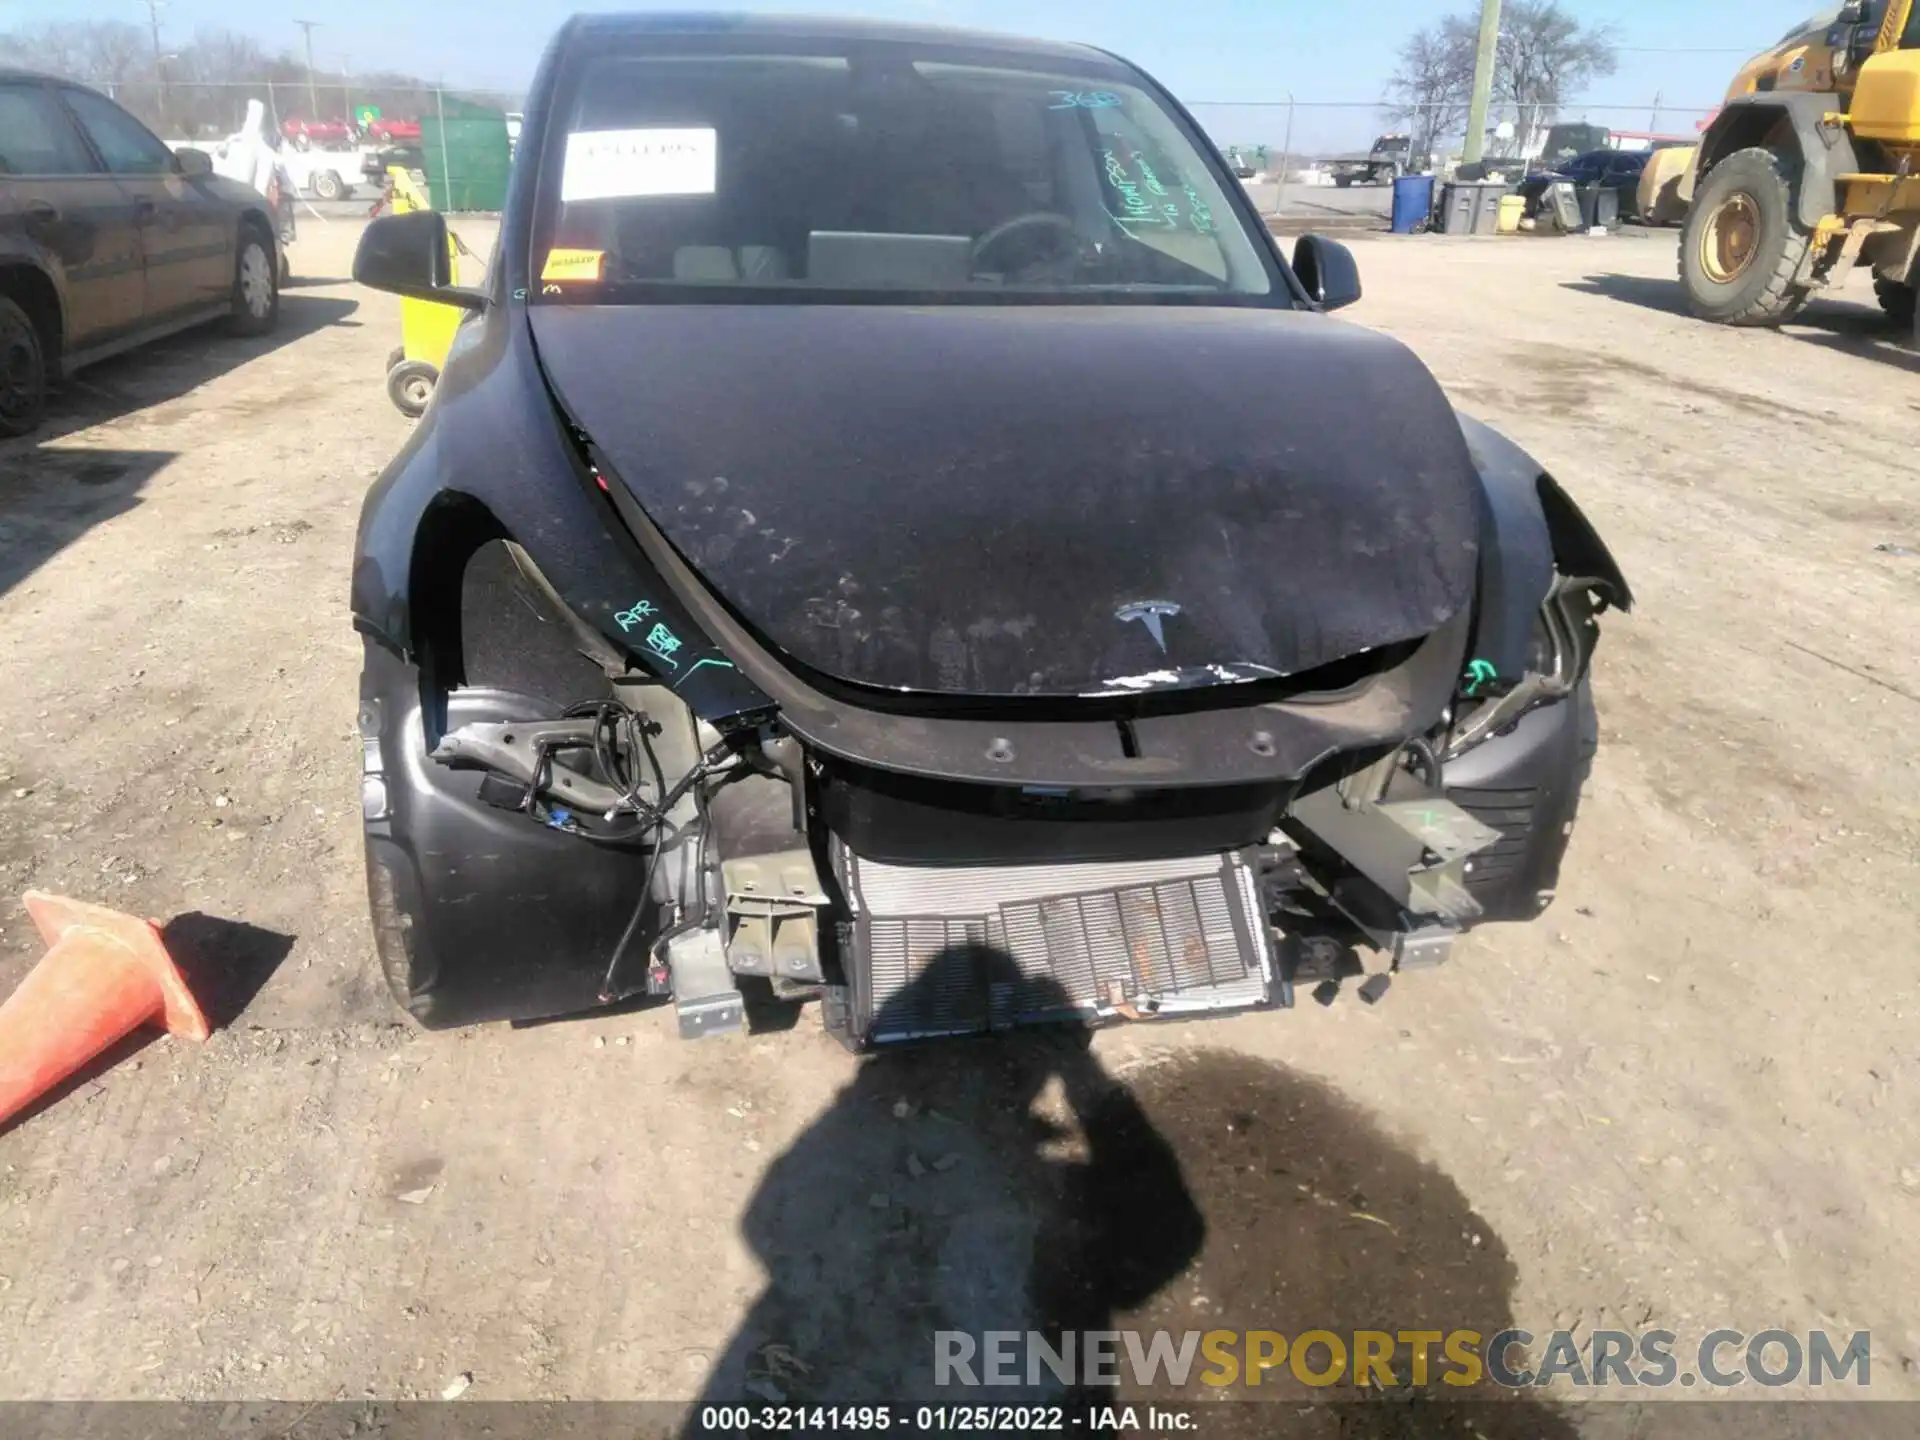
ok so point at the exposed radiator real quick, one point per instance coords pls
(955, 951)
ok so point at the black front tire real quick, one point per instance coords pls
(23, 372)
(1743, 244)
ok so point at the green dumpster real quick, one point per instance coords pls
(466, 155)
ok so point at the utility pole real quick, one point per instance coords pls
(313, 98)
(1483, 67)
(1653, 125)
(159, 57)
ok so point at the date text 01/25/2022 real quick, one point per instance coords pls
(931, 1419)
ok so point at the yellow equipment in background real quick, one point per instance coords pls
(426, 326)
(1666, 184)
(1811, 168)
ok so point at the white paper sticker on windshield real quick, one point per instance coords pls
(617, 164)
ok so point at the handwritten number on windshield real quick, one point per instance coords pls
(1084, 100)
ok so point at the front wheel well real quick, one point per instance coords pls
(451, 530)
(32, 289)
(1750, 127)
(258, 223)
(479, 620)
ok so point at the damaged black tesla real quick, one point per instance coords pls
(890, 501)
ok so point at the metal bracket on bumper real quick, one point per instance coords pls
(704, 995)
(1411, 898)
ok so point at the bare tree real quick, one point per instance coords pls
(110, 52)
(1547, 56)
(1429, 91)
(210, 79)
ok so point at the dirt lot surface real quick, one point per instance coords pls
(1689, 1097)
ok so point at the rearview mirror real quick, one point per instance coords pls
(408, 255)
(1328, 270)
(193, 162)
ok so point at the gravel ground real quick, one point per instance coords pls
(1686, 1098)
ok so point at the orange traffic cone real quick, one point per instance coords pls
(104, 975)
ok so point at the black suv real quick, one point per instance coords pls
(894, 529)
(108, 240)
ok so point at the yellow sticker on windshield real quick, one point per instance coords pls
(574, 265)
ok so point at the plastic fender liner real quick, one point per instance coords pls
(1534, 528)
(478, 913)
(1577, 546)
(1526, 783)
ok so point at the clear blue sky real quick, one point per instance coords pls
(1202, 49)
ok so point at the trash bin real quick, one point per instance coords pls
(1564, 202)
(1472, 209)
(1599, 207)
(1606, 208)
(1513, 209)
(1412, 203)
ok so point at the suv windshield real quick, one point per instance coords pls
(863, 170)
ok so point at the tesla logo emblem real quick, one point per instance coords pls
(1149, 613)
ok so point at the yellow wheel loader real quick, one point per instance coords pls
(1811, 168)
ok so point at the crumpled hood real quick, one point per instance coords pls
(1034, 500)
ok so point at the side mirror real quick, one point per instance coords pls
(193, 162)
(408, 255)
(1328, 270)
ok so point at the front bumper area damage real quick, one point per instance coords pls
(616, 845)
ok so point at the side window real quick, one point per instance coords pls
(1147, 193)
(1022, 133)
(36, 138)
(124, 143)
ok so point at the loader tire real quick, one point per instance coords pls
(1899, 301)
(1743, 243)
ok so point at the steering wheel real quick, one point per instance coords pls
(1035, 220)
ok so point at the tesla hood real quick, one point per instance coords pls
(1034, 500)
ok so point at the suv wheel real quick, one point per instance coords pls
(23, 372)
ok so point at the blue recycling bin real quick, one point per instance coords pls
(1412, 203)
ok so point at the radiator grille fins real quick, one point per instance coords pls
(1179, 941)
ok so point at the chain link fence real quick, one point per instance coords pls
(330, 113)
(1287, 143)
(1308, 131)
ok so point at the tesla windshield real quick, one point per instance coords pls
(878, 171)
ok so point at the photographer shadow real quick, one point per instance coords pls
(1012, 1184)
